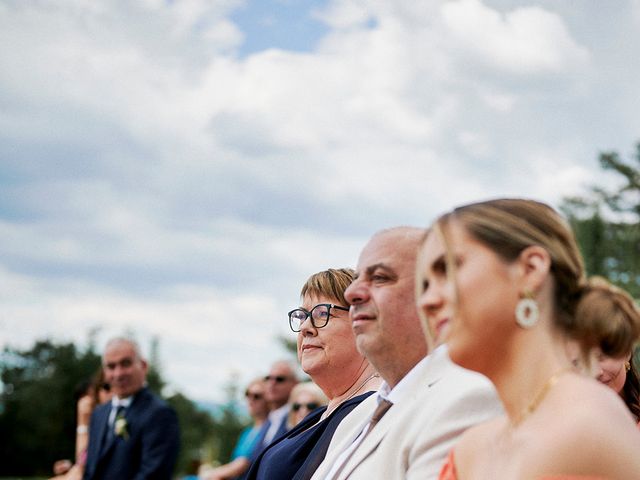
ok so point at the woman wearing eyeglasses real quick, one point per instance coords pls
(327, 353)
(304, 399)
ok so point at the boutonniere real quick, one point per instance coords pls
(120, 427)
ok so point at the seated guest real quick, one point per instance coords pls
(89, 394)
(509, 276)
(605, 301)
(258, 409)
(426, 402)
(305, 398)
(327, 352)
(278, 385)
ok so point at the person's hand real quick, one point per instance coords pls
(75, 473)
(62, 466)
(85, 407)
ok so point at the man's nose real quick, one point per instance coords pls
(355, 293)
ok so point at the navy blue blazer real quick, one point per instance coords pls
(148, 451)
(297, 454)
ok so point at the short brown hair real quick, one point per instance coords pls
(329, 283)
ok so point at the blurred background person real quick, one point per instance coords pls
(136, 434)
(89, 394)
(240, 458)
(327, 353)
(278, 385)
(610, 303)
(305, 398)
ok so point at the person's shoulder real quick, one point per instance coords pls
(152, 402)
(592, 416)
(586, 396)
(475, 440)
(458, 385)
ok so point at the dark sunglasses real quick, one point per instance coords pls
(276, 378)
(309, 406)
(253, 396)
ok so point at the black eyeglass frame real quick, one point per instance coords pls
(309, 314)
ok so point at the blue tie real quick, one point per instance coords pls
(111, 428)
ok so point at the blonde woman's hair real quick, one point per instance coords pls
(508, 226)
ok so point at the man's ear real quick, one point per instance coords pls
(534, 266)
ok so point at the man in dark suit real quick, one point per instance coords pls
(135, 436)
(278, 385)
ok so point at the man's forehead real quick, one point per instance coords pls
(280, 369)
(118, 351)
(383, 252)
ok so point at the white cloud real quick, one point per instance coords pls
(156, 180)
(525, 41)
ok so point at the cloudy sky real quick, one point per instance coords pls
(177, 168)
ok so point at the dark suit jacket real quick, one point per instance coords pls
(149, 450)
(297, 454)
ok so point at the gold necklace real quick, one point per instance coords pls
(327, 412)
(540, 396)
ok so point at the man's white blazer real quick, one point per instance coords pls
(414, 437)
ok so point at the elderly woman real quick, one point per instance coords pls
(327, 352)
(507, 277)
(304, 399)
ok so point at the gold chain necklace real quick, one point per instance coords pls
(327, 412)
(540, 396)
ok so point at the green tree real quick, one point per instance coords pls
(37, 405)
(607, 223)
(196, 429)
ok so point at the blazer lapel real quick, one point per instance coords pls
(101, 424)
(428, 377)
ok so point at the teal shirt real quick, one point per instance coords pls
(246, 442)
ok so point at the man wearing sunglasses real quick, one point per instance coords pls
(278, 385)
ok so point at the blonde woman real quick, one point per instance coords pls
(502, 280)
(304, 399)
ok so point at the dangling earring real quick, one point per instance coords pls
(527, 311)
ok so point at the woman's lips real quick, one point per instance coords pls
(310, 347)
(440, 325)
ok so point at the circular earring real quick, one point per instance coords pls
(627, 366)
(527, 311)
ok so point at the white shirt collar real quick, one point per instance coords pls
(125, 402)
(278, 414)
(406, 385)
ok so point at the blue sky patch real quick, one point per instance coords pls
(284, 24)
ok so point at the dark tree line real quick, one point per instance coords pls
(38, 415)
(607, 223)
